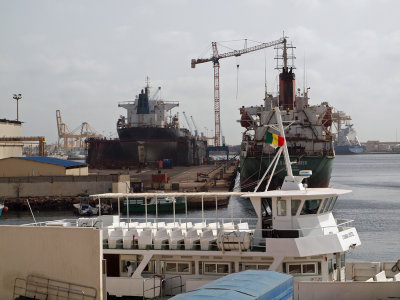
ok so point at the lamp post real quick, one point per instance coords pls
(17, 97)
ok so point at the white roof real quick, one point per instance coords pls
(268, 194)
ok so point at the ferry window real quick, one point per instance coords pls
(295, 206)
(170, 268)
(324, 205)
(250, 267)
(310, 207)
(333, 203)
(183, 268)
(175, 267)
(294, 269)
(222, 268)
(302, 268)
(281, 207)
(210, 268)
(309, 269)
(262, 267)
(216, 268)
(255, 267)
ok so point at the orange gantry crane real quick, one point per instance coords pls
(215, 60)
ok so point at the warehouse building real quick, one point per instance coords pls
(9, 128)
(40, 166)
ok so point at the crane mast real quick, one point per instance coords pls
(215, 60)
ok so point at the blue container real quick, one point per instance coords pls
(167, 163)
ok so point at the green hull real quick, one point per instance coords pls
(253, 168)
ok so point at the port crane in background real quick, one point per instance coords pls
(196, 131)
(187, 122)
(73, 138)
(215, 60)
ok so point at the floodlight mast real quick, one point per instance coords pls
(17, 97)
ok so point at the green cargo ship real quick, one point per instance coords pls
(308, 134)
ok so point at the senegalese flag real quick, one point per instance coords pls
(274, 139)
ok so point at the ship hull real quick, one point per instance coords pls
(343, 150)
(183, 151)
(132, 153)
(148, 144)
(151, 133)
(253, 168)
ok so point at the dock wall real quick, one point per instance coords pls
(62, 186)
(47, 252)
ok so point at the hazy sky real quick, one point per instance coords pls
(83, 57)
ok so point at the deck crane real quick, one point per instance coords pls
(215, 59)
(196, 132)
(187, 122)
(156, 93)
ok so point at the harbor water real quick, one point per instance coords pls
(374, 205)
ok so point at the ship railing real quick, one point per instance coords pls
(171, 291)
(39, 287)
(153, 287)
(182, 223)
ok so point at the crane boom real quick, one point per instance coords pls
(217, 56)
(215, 60)
(187, 122)
(196, 132)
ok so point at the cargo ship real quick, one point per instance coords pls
(308, 134)
(346, 141)
(148, 133)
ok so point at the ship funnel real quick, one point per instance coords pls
(287, 93)
(143, 103)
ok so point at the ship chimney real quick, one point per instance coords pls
(143, 103)
(287, 93)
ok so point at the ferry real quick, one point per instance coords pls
(294, 232)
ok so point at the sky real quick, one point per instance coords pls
(84, 57)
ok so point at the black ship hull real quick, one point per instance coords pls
(151, 133)
(132, 153)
